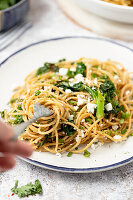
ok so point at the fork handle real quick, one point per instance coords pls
(18, 130)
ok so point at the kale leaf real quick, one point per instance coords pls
(46, 68)
(46, 137)
(81, 68)
(108, 90)
(68, 129)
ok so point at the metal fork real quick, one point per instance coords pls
(39, 111)
(7, 37)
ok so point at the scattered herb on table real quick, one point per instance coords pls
(28, 189)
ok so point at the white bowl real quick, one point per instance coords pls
(108, 10)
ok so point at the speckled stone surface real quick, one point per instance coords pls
(117, 184)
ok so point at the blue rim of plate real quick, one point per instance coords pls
(64, 169)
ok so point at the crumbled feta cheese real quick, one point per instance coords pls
(79, 78)
(94, 146)
(47, 88)
(75, 107)
(87, 81)
(82, 133)
(68, 91)
(58, 154)
(95, 81)
(109, 107)
(81, 101)
(73, 69)
(127, 92)
(83, 120)
(60, 88)
(93, 88)
(89, 99)
(63, 71)
(71, 117)
(91, 107)
(35, 142)
(71, 79)
(115, 127)
(101, 125)
(117, 137)
(77, 138)
(100, 144)
(116, 77)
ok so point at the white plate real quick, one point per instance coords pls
(108, 10)
(14, 69)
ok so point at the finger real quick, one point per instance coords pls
(6, 132)
(18, 148)
(7, 162)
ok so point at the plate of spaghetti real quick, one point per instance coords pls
(116, 10)
(90, 92)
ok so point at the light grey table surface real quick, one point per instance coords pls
(117, 184)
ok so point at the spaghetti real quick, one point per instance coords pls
(91, 100)
(121, 2)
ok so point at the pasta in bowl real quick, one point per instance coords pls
(119, 11)
(92, 103)
(121, 2)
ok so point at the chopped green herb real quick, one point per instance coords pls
(117, 92)
(69, 154)
(103, 77)
(37, 92)
(89, 120)
(123, 131)
(12, 101)
(20, 107)
(28, 189)
(52, 75)
(76, 148)
(2, 114)
(94, 75)
(125, 115)
(61, 141)
(121, 121)
(72, 102)
(96, 66)
(82, 127)
(18, 119)
(87, 153)
(131, 134)
(62, 60)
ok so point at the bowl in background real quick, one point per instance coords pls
(110, 11)
(14, 14)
